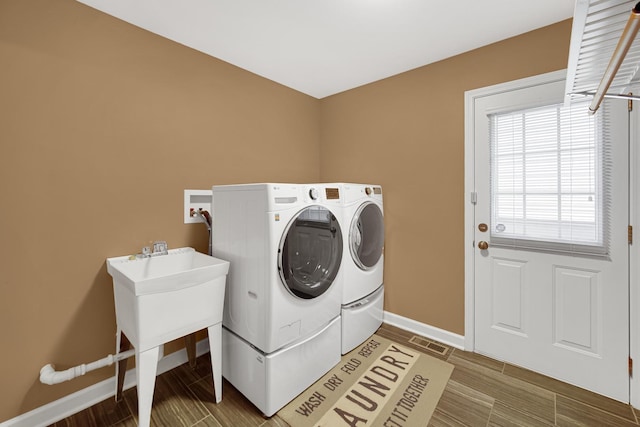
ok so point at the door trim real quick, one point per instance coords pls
(634, 253)
(469, 218)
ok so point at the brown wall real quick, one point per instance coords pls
(103, 125)
(407, 134)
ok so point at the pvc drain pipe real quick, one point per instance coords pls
(48, 375)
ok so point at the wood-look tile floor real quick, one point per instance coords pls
(480, 392)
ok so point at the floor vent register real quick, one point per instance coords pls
(429, 345)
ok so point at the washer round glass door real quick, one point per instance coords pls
(310, 252)
(366, 236)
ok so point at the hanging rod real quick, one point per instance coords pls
(608, 95)
(626, 39)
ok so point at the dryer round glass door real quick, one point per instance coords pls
(310, 252)
(366, 236)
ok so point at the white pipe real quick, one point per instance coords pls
(48, 375)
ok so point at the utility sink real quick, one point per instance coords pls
(180, 268)
(165, 297)
(162, 298)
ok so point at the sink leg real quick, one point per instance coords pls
(215, 349)
(146, 369)
(190, 343)
(122, 344)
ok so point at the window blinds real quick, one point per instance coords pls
(549, 175)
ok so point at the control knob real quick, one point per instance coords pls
(313, 193)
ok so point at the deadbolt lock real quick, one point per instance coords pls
(483, 227)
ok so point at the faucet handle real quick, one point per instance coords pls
(160, 247)
(146, 251)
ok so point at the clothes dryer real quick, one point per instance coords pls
(363, 263)
(284, 287)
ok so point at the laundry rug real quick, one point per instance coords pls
(379, 383)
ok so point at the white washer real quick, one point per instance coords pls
(363, 263)
(283, 300)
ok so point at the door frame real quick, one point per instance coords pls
(469, 218)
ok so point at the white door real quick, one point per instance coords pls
(539, 304)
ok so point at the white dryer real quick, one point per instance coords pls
(363, 263)
(283, 298)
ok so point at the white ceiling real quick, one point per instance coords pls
(323, 47)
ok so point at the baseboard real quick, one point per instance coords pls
(427, 331)
(82, 399)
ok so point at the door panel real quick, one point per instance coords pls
(577, 309)
(508, 295)
(563, 315)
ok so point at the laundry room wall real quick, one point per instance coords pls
(406, 133)
(102, 127)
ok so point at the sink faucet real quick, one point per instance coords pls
(159, 248)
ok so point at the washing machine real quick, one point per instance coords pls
(363, 263)
(281, 318)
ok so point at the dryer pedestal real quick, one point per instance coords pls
(361, 319)
(270, 381)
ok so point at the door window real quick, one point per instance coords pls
(366, 237)
(311, 252)
(549, 174)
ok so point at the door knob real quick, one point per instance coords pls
(482, 245)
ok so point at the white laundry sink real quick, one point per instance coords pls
(180, 268)
(165, 297)
(161, 298)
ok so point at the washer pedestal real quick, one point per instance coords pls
(270, 381)
(361, 319)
